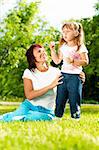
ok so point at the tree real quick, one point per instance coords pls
(19, 30)
(91, 29)
(16, 35)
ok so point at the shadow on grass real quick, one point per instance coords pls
(89, 109)
(6, 109)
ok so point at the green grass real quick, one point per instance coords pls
(65, 134)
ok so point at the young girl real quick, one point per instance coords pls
(74, 55)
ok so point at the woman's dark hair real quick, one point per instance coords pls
(30, 56)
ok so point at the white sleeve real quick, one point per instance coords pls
(83, 49)
(58, 72)
(27, 74)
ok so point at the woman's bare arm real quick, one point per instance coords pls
(30, 93)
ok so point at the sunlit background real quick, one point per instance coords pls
(55, 11)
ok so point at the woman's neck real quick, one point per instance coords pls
(43, 67)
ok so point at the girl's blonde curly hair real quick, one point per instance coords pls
(74, 26)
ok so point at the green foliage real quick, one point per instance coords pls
(45, 36)
(97, 7)
(18, 33)
(65, 134)
(91, 29)
(21, 28)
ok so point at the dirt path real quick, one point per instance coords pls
(10, 103)
(18, 103)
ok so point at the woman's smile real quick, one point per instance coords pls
(40, 54)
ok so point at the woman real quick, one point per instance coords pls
(39, 82)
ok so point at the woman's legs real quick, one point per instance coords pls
(28, 112)
(20, 111)
(37, 116)
(39, 113)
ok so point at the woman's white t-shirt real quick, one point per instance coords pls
(68, 51)
(41, 80)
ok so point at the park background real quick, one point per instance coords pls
(20, 27)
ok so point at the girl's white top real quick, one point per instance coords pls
(41, 80)
(72, 52)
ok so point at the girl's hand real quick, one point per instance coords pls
(76, 62)
(69, 60)
(52, 46)
(56, 81)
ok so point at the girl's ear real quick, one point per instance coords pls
(76, 33)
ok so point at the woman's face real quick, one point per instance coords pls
(40, 54)
(68, 34)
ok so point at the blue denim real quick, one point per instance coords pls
(28, 112)
(70, 89)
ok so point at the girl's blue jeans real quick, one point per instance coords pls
(28, 112)
(71, 89)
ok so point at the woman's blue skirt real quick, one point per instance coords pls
(28, 112)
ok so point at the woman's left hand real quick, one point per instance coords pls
(83, 77)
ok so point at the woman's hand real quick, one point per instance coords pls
(30, 93)
(82, 76)
(56, 82)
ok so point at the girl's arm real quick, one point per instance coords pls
(57, 58)
(83, 61)
(30, 93)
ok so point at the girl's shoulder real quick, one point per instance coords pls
(63, 47)
(83, 48)
(54, 69)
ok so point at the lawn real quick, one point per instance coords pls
(65, 134)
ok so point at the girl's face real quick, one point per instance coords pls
(40, 54)
(68, 34)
